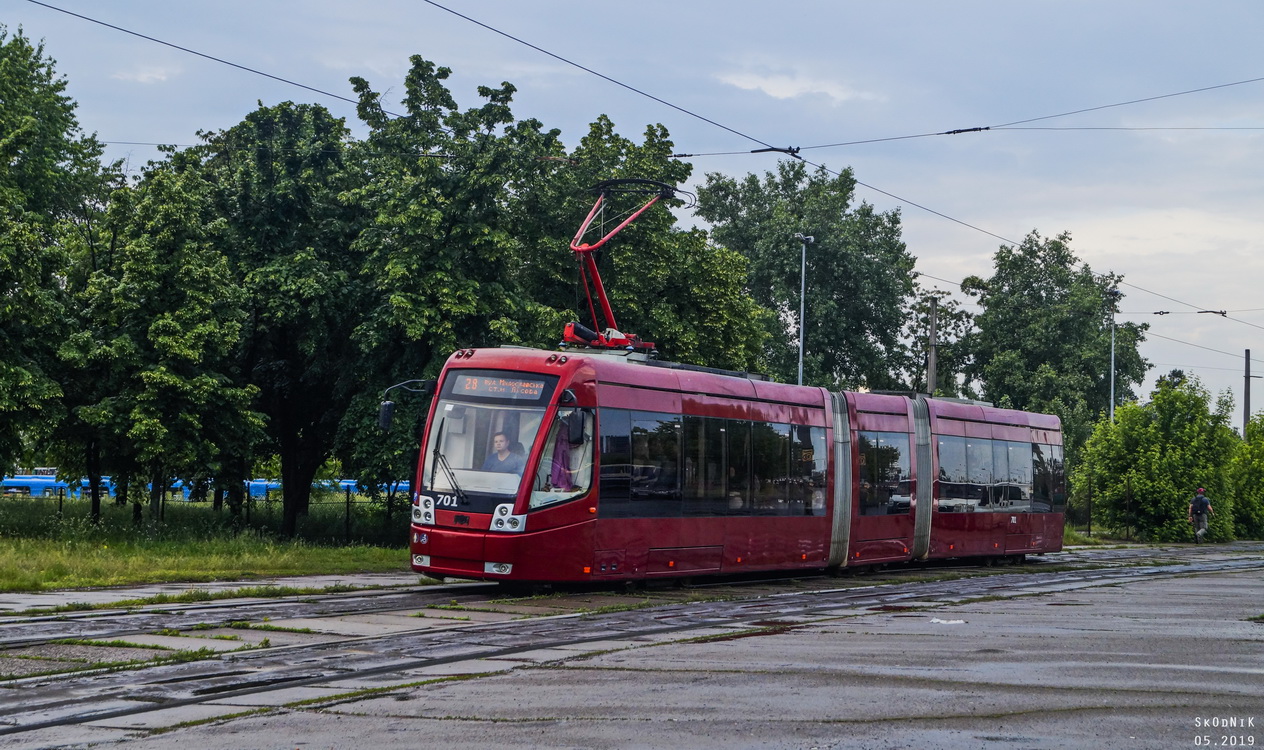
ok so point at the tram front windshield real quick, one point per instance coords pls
(482, 431)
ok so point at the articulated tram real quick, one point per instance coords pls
(603, 465)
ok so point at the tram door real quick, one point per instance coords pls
(883, 507)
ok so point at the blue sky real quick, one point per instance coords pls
(1168, 192)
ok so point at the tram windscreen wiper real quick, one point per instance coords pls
(441, 461)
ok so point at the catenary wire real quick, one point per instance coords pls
(791, 152)
(1130, 102)
(599, 75)
(1198, 346)
(203, 55)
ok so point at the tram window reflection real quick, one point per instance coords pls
(737, 442)
(771, 467)
(885, 473)
(655, 487)
(615, 426)
(705, 470)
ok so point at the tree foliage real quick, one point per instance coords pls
(1143, 469)
(859, 273)
(52, 188)
(1042, 342)
(1246, 482)
(276, 182)
(471, 211)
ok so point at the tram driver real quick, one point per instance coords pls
(502, 459)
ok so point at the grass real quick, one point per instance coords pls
(43, 564)
(46, 544)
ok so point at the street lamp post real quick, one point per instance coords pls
(804, 241)
(1113, 295)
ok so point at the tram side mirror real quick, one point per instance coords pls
(385, 413)
(575, 427)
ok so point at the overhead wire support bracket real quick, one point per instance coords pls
(791, 151)
(959, 131)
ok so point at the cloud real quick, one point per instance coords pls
(795, 85)
(147, 74)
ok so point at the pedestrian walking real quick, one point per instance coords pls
(1199, 509)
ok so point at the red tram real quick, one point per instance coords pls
(602, 465)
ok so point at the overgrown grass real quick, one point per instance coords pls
(42, 549)
(42, 564)
(329, 520)
(1100, 538)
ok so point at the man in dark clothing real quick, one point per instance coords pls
(1199, 509)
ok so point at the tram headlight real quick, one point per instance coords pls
(504, 519)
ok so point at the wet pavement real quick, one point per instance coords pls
(17, 602)
(1167, 663)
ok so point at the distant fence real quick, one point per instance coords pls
(43, 485)
(337, 511)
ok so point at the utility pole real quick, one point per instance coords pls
(931, 363)
(1246, 394)
(804, 241)
(1113, 295)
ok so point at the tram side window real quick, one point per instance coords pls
(655, 488)
(771, 468)
(704, 476)
(616, 463)
(1049, 480)
(737, 444)
(808, 462)
(954, 481)
(1018, 493)
(885, 481)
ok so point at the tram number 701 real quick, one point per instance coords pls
(445, 501)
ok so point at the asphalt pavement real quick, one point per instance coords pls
(1168, 663)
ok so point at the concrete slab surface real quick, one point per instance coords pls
(184, 642)
(21, 602)
(282, 697)
(170, 717)
(1140, 666)
(77, 736)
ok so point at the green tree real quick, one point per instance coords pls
(30, 314)
(49, 170)
(276, 182)
(1143, 469)
(859, 273)
(176, 318)
(52, 191)
(1042, 342)
(472, 212)
(1246, 482)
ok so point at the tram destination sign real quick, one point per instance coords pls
(500, 387)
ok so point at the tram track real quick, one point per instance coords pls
(114, 622)
(17, 631)
(398, 657)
